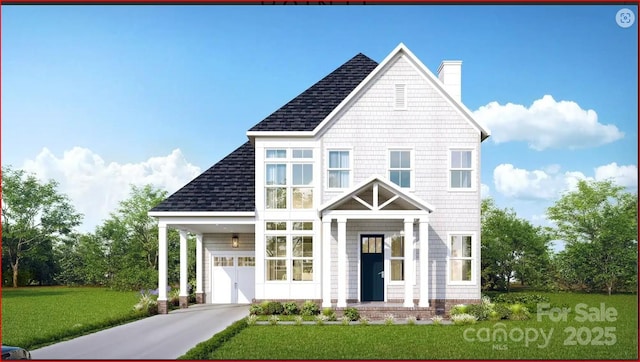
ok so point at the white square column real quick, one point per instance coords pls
(199, 263)
(184, 292)
(162, 269)
(424, 262)
(326, 262)
(408, 263)
(342, 263)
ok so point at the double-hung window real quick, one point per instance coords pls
(461, 169)
(400, 167)
(276, 250)
(339, 169)
(460, 258)
(302, 251)
(397, 257)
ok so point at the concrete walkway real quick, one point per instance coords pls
(167, 336)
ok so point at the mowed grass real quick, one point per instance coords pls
(36, 316)
(478, 341)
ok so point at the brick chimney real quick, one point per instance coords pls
(450, 74)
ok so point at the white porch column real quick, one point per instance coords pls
(184, 292)
(408, 262)
(342, 263)
(326, 262)
(162, 269)
(424, 262)
(199, 266)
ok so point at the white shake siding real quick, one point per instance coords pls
(430, 126)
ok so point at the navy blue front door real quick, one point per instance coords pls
(371, 268)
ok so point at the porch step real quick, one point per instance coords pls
(374, 312)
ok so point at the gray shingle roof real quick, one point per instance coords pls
(306, 111)
(229, 185)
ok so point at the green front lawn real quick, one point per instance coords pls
(36, 316)
(573, 338)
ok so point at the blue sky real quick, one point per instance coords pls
(99, 97)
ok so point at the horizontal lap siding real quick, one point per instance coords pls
(430, 126)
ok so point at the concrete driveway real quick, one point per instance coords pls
(167, 336)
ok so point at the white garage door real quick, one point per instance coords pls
(233, 278)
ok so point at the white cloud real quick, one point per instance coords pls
(626, 176)
(549, 183)
(485, 191)
(95, 187)
(547, 123)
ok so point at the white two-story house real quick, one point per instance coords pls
(364, 188)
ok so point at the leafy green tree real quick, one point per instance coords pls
(599, 223)
(512, 248)
(129, 238)
(32, 213)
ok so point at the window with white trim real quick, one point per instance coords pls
(400, 167)
(276, 250)
(289, 178)
(339, 169)
(289, 252)
(461, 169)
(397, 257)
(460, 258)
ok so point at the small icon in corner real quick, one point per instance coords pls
(625, 18)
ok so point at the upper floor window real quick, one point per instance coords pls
(460, 169)
(400, 167)
(280, 153)
(289, 178)
(339, 169)
(460, 258)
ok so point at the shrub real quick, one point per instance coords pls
(265, 306)
(522, 298)
(252, 319)
(256, 309)
(389, 319)
(321, 318)
(500, 311)
(309, 308)
(437, 320)
(174, 297)
(352, 313)
(329, 313)
(273, 319)
(203, 349)
(464, 318)
(458, 309)
(274, 308)
(290, 308)
(364, 321)
(411, 320)
(345, 320)
(519, 312)
(147, 304)
(298, 320)
(482, 310)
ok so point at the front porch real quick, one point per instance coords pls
(375, 249)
